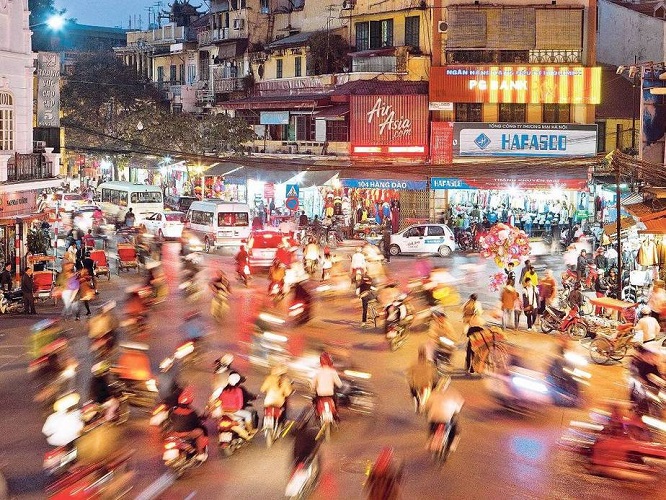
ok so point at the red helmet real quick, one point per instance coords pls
(187, 396)
(325, 359)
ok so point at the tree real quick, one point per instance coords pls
(108, 107)
(327, 53)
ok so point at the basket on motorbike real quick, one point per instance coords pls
(127, 257)
(101, 263)
(43, 285)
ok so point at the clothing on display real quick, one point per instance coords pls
(647, 254)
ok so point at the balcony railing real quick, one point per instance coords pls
(28, 167)
(222, 85)
(209, 37)
(205, 97)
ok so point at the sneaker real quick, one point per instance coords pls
(530, 329)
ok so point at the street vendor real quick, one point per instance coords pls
(657, 300)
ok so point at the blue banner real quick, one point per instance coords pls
(449, 183)
(383, 184)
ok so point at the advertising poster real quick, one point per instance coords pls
(653, 117)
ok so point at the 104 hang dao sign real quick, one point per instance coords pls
(524, 139)
(389, 125)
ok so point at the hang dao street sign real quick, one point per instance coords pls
(383, 184)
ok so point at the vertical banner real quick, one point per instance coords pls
(441, 143)
(48, 89)
(653, 117)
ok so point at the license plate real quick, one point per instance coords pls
(225, 437)
(170, 455)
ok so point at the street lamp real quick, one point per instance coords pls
(56, 22)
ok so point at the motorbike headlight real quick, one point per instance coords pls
(575, 358)
(271, 318)
(530, 384)
(654, 422)
(447, 341)
(151, 385)
(184, 350)
(274, 337)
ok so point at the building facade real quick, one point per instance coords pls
(24, 172)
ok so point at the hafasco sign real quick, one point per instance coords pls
(389, 125)
(524, 139)
(383, 115)
(516, 84)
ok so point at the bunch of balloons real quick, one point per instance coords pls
(505, 244)
(497, 281)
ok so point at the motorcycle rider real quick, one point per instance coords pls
(168, 384)
(440, 326)
(396, 313)
(366, 291)
(421, 375)
(581, 264)
(188, 424)
(276, 274)
(222, 369)
(557, 371)
(358, 263)
(277, 388)
(576, 297)
(306, 444)
(647, 327)
(385, 477)
(443, 407)
(644, 363)
(311, 253)
(235, 398)
(101, 390)
(325, 380)
(65, 424)
(242, 259)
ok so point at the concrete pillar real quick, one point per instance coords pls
(54, 159)
(4, 158)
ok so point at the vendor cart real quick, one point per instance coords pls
(127, 257)
(101, 260)
(623, 310)
(44, 279)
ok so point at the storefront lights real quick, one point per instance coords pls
(512, 190)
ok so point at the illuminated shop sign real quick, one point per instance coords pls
(515, 84)
(383, 184)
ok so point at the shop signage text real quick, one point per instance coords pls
(524, 139)
(48, 89)
(385, 117)
(516, 84)
(18, 203)
(503, 183)
(383, 184)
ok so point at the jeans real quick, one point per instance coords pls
(506, 317)
(516, 314)
(468, 357)
(364, 303)
(531, 317)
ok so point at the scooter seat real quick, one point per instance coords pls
(558, 312)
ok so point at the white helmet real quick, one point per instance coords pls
(645, 310)
(234, 379)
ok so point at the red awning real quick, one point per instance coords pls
(333, 112)
(10, 220)
(654, 226)
(278, 102)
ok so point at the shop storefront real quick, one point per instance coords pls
(18, 210)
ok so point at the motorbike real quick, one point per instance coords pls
(220, 304)
(179, 455)
(356, 276)
(443, 353)
(271, 424)
(647, 399)
(303, 480)
(311, 266)
(276, 291)
(421, 399)
(230, 426)
(519, 390)
(325, 411)
(354, 394)
(570, 323)
(243, 273)
(62, 383)
(299, 312)
(11, 302)
(444, 441)
(565, 379)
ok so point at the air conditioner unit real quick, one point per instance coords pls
(38, 145)
(239, 24)
(348, 4)
(442, 27)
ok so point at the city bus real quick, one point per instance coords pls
(116, 198)
(218, 223)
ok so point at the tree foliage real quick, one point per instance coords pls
(327, 53)
(108, 106)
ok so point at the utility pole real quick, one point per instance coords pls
(618, 222)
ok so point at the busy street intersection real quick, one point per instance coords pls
(501, 453)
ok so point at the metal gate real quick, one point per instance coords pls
(414, 207)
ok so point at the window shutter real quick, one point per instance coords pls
(511, 29)
(559, 29)
(467, 29)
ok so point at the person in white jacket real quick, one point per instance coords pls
(326, 379)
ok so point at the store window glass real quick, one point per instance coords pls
(6, 121)
(278, 68)
(468, 112)
(337, 131)
(556, 113)
(412, 28)
(512, 113)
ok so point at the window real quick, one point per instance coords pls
(337, 131)
(235, 219)
(305, 128)
(412, 25)
(181, 74)
(172, 73)
(278, 68)
(160, 74)
(6, 121)
(362, 36)
(264, 7)
(201, 217)
(147, 197)
(298, 66)
(436, 231)
(114, 197)
(191, 74)
(374, 34)
(468, 112)
(556, 113)
(515, 113)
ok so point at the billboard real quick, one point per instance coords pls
(653, 116)
(48, 89)
(389, 125)
(524, 139)
(529, 84)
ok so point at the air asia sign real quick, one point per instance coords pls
(389, 125)
(524, 139)
(515, 84)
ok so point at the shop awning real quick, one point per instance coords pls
(386, 51)
(625, 223)
(311, 101)
(632, 199)
(654, 226)
(9, 220)
(646, 210)
(297, 40)
(333, 113)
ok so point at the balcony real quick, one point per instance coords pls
(226, 85)
(205, 98)
(209, 37)
(28, 167)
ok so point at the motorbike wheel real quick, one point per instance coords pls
(600, 351)
(577, 331)
(228, 451)
(619, 353)
(270, 438)
(546, 326)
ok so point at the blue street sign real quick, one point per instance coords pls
(291, 203)
(291, 191)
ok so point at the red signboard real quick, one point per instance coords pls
(389, 125)
(530, 84)
(269, 191)
(441, 143)
(18, 203)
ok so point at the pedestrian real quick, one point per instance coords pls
(476, 324)
(547, 291)
(6, 281)
(581, 264)
(470, 308)
(86, 292)
(386, 244)
(517, 310)
(600, 259)
(525, 268)
(508, 299)
(366, 292)
(531, 275)
(129, 218)
(28, 290)
(510, 273)
(70, 298)
(530, 303)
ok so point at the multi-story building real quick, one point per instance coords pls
(24, 171)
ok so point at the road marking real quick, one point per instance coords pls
(157, 487)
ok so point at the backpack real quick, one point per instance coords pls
(231, 399)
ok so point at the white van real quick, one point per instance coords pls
(116, 198)
(219, 223)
